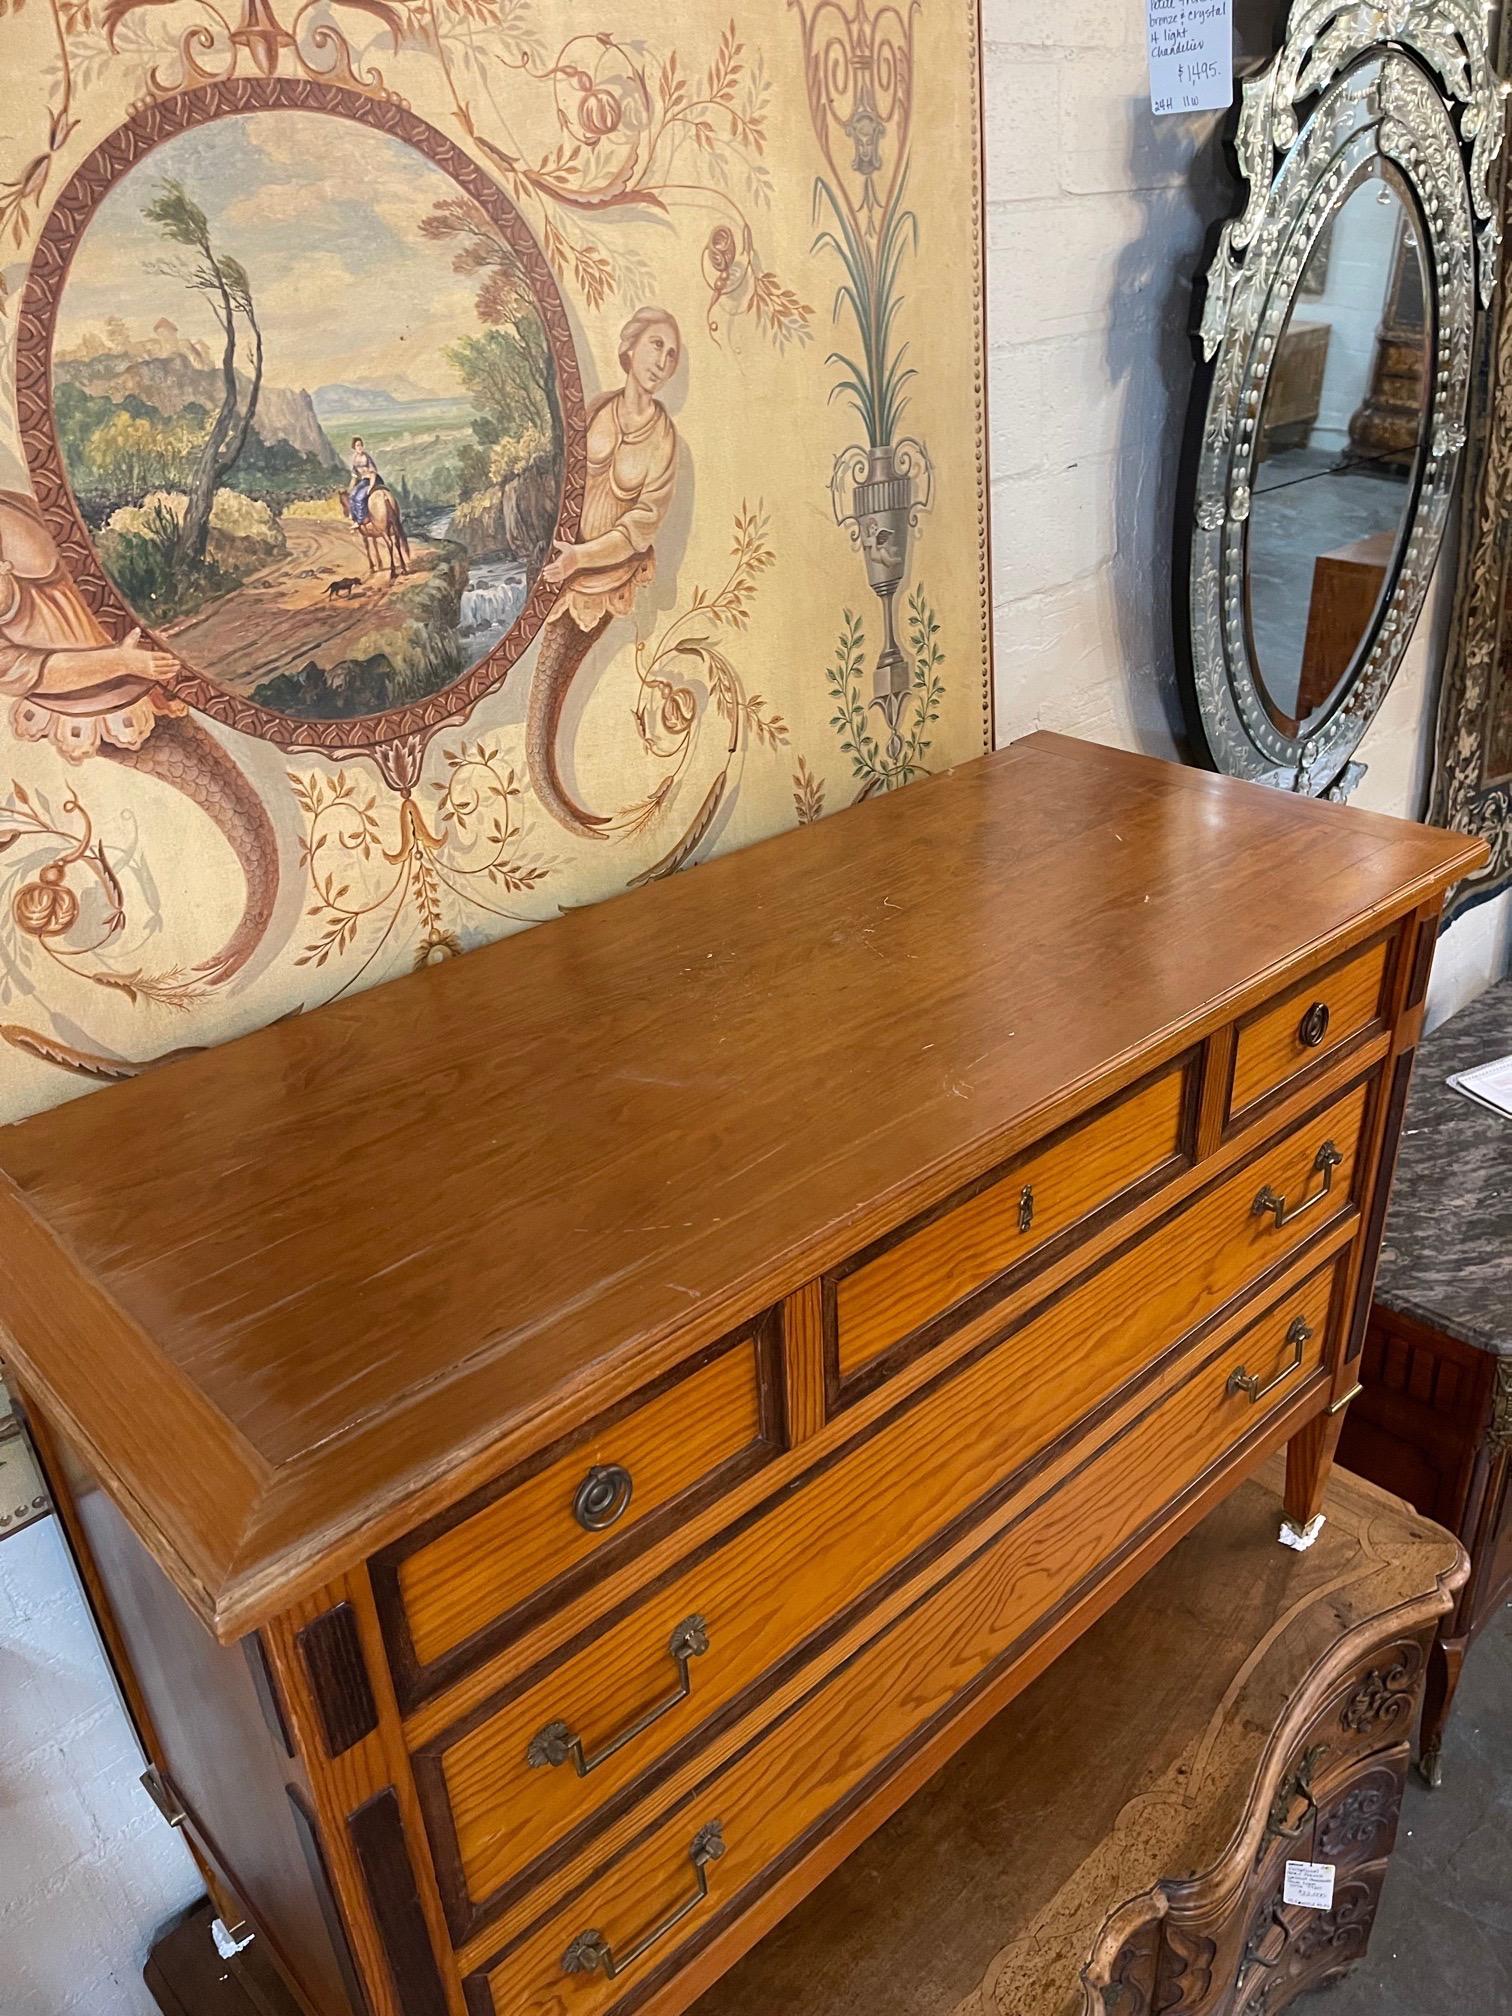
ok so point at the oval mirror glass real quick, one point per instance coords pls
(1341, 435)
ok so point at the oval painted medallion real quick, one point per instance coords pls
(314, 412)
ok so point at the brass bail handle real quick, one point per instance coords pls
(591, 1950)
(1296, 1785)
(557, 1743)
(1299, 1336)
(1325, 1162)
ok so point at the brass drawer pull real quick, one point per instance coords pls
(556, 1743)
(1296, 1785)
(1299, 1336)
(1325, 1162)
(164, 1797)
(591, 1950)
(1276, 1922)
(1026, 1207)
(602, 1496)
(1314, 1026)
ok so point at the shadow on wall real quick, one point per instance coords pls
(1150, 353)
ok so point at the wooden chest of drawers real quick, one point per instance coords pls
(1072, 1861)
(561, 1445)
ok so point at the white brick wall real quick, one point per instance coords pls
(1096, 218)
(87, 1867)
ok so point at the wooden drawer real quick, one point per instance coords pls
(1309, 1023)
(1370, 1709)
(1352, 1825)
(454, 1593)
(907, 1682)
(898, 1293)
(501, 1789)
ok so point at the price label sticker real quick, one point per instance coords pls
(1191, 55)
(1309, 1883)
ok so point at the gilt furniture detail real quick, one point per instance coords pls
(1434, 1417)
(631, 1402)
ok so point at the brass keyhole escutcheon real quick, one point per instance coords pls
(1314, 1026)
(602, 1496)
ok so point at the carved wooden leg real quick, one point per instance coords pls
(1309, 1459)
(1445, 1665)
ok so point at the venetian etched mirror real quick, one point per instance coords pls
(1334, 340)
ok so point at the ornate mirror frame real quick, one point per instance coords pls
(1472, 776)
(1353, 86)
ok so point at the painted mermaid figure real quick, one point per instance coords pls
(70, 685)
(631, 479)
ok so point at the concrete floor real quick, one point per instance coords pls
(1442, 1944)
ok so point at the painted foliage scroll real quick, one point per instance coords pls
(459, 459)
(1472, 778)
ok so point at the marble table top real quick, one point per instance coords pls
(1447, 1255)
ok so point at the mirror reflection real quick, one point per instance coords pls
(1340, 434)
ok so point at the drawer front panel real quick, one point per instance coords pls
(1373, 1707)
(1307, 1024)
(588, 1502)
(967, 1243)
(906, 1681)
(790, 1574)
(1289, 1948)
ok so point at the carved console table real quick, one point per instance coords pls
(562, 1444)
(1434, 1421)
(1114, 1846)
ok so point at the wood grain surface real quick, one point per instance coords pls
(1272, 1046)
(528, 1536)
(1155, 1743)
(823, 1546)
(1233, 1658)
(359, 1262)
(881, 1701)
(1042, 1194)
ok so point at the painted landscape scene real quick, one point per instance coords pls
(307, 406)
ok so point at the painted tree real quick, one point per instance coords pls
(506, 300)
(496, 369)
(224, 283)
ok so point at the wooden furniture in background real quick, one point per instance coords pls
(186, 1976)
(1346, 588)
(1387, 426)
(561, 1446)
(1295, 394)
(1116, 1846)
(1119, 1839)
(1434, 1421)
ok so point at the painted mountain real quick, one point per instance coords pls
(126, 383)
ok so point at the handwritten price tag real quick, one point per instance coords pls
(1191, 55)
(1309, 1883)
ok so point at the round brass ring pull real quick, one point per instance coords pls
(602, 1497)
(1314, 1026)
